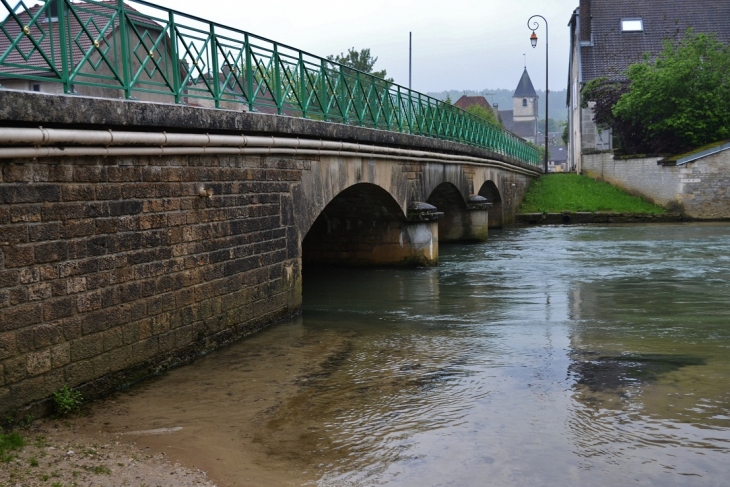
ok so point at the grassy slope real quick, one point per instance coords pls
(571, 192)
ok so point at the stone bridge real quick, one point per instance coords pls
(136, 236)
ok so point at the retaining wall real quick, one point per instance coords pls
(699, 189)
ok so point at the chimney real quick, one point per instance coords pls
(586, 34)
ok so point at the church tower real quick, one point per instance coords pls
(524, 102)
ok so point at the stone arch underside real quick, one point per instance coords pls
(364, 226)
(490, 191)
(447, 198)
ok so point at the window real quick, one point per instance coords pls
(524, 102)
(632, 25)
(36, 87)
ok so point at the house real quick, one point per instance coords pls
(558, 158)
(522, 119)
(94, 53)
(606, 36)
(466, 101)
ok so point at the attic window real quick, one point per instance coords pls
(632, 25)
(52, 12)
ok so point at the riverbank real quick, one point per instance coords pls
(59, 453)
(577, 217)
(576, 194)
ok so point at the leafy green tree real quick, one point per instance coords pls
(448, 100)
(361, 60)
(481, 112)
(630, 135)
(682, 99)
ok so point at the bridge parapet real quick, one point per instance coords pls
(136, 49)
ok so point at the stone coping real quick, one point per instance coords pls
(24, 108)
(579, 217)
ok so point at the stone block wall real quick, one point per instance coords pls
(111, 269)
(699, 189)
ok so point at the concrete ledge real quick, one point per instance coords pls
(23, 108)
(570, 218)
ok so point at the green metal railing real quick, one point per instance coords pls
(153, 53)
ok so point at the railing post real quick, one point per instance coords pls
(214, 65)
(303, 86)
(177, 89)
(343, 91)
(63, 46)
(324, 92)
(124, 40)
(249, 73)
(277, 80)
(358, 109)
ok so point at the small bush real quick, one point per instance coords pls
(66, 401)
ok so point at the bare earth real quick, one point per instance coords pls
(58, 454)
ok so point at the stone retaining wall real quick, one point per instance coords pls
(699, 189)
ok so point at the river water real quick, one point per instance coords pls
(549, 356)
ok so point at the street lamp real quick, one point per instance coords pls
(533, 26)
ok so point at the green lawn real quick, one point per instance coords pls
(555, 193)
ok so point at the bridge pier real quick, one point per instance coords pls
(470, 224)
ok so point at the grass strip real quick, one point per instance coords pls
(555, 193)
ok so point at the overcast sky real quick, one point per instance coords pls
(458, 44)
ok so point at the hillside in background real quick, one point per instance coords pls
(558, 109)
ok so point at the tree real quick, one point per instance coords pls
(481, 112)
(361, 60)
(682, 99)
(603, 95)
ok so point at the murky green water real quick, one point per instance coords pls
(554, 356)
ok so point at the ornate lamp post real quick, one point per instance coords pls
(533, 26)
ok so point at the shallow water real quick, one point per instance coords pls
(551, 356)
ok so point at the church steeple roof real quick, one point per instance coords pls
(525, 88)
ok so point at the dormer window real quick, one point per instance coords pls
(632, 25)
(52, 12)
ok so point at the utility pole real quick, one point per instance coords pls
(410, 58)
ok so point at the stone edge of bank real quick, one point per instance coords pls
(578, 217)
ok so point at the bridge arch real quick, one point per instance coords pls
(447, 198)
(364, 225)
(490, 191)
